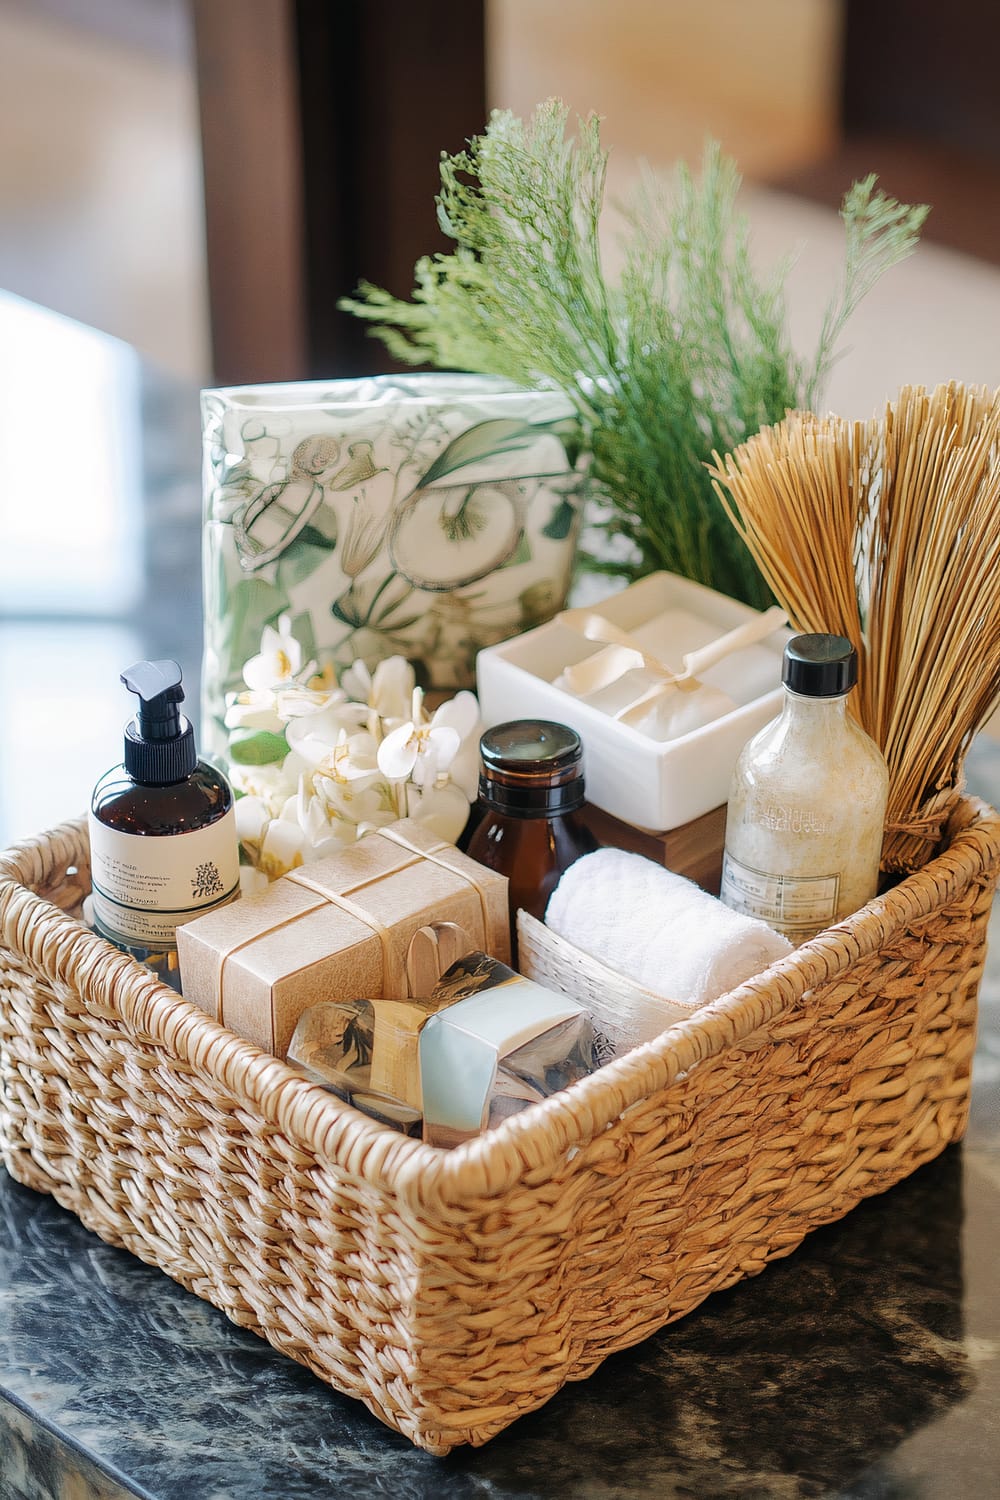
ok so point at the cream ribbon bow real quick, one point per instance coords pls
(623, 654)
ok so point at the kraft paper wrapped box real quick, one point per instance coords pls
(337, 929)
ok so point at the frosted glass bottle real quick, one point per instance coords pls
(807, 802)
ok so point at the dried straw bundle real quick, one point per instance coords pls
(888, 532)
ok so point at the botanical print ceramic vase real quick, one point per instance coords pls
(426, 515)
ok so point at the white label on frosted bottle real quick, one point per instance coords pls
(792, 903)
(145, 886)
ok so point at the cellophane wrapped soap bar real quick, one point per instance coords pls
(363, 1046)
(365, 1052)
(502, 1043)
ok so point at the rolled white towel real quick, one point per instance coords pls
(658, 928)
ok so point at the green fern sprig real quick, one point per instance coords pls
(879, 232)
(687, 354)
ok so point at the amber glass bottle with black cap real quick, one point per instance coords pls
(531, 827)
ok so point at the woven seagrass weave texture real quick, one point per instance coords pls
(453, 1291)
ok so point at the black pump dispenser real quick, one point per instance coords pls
(159, 741)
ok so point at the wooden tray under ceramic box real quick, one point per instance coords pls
(454, 1291)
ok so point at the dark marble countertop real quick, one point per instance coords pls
(865, 1365)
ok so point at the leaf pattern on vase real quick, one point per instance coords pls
(362, 540)
(373, 612)
(390, 515)
(482, 523)
(359, 467)
(272, 519)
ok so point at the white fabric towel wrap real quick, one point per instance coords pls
(658, 928)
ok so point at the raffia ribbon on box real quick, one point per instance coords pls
(439, 855)
(392, 963)
(393, 968)
(396, 978)
(622, 653)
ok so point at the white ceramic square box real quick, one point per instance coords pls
(653, 784)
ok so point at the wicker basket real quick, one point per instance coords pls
(453, 1291)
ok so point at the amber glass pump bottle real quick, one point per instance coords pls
(163, 837)
(530, 799)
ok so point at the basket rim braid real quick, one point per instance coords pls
(425, 1178)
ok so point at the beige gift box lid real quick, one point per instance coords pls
(338, 929)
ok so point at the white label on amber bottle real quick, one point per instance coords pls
(145, 886)
(792, 903)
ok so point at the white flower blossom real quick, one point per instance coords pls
(389, 692)
(420, 753)
(274, 844)
(461, 713)
(272, 784)
(360, 756)
(313, 737)
(298, 702)
(283, 847)
(443, 809)
(279, 661)
(254, 709)
(252, 817)
(346, 806)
